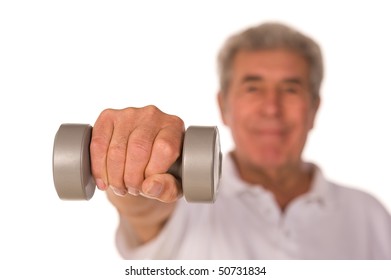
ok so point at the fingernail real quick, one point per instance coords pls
(154, 189)
(100, 184)
(117, 191)
(133, 191)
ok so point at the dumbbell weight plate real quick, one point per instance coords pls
(199, 167)
(71, 162)
(201, 164)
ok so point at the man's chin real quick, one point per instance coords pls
(270, 160)
(266, 160)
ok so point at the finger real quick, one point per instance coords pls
(100, 141)
(116, 157)
(139, 148)
(167, 147)
(163, 187)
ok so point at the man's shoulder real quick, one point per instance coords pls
(353, 197)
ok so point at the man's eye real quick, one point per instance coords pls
(252, 89)
(290, 90)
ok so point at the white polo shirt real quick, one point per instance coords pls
(245, 222)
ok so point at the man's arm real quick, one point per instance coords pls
(146, 217)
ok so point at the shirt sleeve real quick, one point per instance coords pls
(163, 246)
(379, 228)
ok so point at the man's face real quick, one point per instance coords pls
(269, 108)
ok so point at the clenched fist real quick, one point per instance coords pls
(132, 150)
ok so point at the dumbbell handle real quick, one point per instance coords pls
(199, 167)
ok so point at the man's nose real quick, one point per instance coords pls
(271, 105)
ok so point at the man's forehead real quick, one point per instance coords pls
(263, 64)
(272, 57)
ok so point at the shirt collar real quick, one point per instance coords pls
(233, 185)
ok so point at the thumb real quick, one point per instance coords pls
(163, 187)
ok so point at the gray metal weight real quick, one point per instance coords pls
(199, 167)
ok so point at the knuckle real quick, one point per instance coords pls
(97, 144)
(117, 151)
(177, 121)
(167, 148)
(140, 147)
(151, 110)
(128, 113)
(106, 114)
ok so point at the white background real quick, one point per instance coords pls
(66, 61)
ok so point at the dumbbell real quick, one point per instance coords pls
(198, 167)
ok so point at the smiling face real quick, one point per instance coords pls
(269, 108)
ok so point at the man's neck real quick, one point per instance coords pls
(286, 183)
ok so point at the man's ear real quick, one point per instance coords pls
(316, 105)
(222, 106)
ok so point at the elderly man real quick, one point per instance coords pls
(271, 204)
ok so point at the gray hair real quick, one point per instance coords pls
(271, 36)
